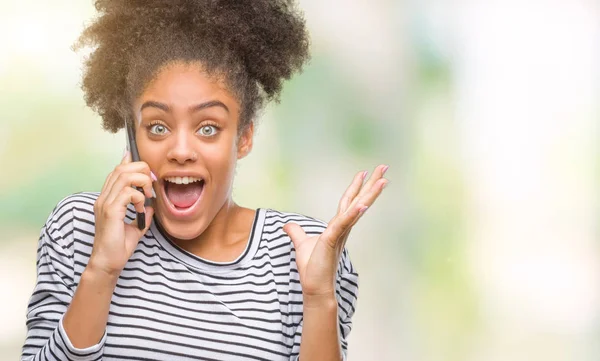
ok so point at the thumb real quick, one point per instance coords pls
(295, 232)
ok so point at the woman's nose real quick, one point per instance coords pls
(182, 149)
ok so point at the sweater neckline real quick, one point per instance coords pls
(195, 261)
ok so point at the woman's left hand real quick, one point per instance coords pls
(317, 256)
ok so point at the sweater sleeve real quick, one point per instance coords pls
(46, 338)
(346, 295)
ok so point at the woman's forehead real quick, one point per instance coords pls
(185, 85)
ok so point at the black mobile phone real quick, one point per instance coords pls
(135, 157)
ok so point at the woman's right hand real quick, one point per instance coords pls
(115, 240)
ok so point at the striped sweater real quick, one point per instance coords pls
(169, 304)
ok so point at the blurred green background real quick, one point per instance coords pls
(484, 246)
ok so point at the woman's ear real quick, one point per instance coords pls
(245, 141)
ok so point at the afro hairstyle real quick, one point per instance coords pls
(253, 45)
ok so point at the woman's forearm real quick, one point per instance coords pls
(85, 320)
(320, 337)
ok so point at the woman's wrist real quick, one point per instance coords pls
(325, 301)
(320, 335)
(85, 320)
(95, 273)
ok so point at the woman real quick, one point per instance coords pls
(206, 278)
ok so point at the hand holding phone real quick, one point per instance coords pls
(115, 240)
(135, 157)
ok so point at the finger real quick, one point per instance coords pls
(102, 196)
(109, 179)
(128, 180)
(106, 182)
(296, 233)
(341, 224)
(369, 198)
(125, 180)
(376, 176)
(352, 191)
(135, 167)
(126, 196)
(364, 203)
(341, 242)
(126, 157)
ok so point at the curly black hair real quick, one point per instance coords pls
(252, 44)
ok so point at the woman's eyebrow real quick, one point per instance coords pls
(212, 103)
(193, 108)
(155, 104)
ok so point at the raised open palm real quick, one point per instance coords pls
(317, 256)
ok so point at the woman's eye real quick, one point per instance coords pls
(208, 130)
(158, 129)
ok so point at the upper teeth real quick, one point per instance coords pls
(183, 180)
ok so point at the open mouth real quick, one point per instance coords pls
(183, 192)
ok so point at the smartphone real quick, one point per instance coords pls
(135, 157)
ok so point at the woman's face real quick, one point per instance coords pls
(187, 127)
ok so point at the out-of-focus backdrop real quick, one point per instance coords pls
(485, 244)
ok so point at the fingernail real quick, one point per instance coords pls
(153, 176)
(385, 169)
(124, 153)
(364, 175)
(363, 209)
(384, 185)
(153, 193)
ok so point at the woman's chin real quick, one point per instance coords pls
(182, 229)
